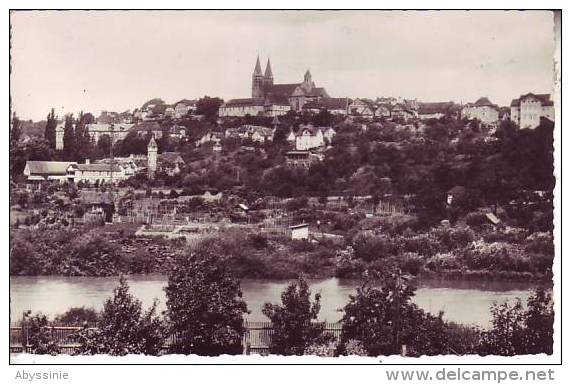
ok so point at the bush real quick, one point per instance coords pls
(369, 247)
(519, 331)
(293, 320)
(205, 305)
(123, 327)
(78, 315)
(39, 337)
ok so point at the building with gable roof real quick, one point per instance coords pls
(483, 109)
(527, 110)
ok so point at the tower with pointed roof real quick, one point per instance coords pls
(268, 75)
(152, 150)
(258, 80)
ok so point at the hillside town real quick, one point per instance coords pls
(386, 225)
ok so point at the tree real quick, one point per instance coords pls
(208, 107)
(50, 131)
(16, 131)
(323, 119)
(69, 143)
(82, 138)
(205, 305)
(123, 327)
(292, 321)
(382, 317)
(519, 331)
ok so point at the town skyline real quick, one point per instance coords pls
(83, 65)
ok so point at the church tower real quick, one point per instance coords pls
(257, 80)
(307, 84)
(268, 75)
(152, 157)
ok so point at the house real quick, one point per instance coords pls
(303, 159)
(335, 106)
(217, 147)
(178, 132)
(527, 110)
(299, 232)
(129, 164)
(93, 173)
(210, 137)
(184, 107)
(483, 110)
(47, 170)
(169, 111)
(403, 112)
(115, 131)
(242, 107)
(255, 133)
(144, 128)
(309, 137)
(383, 110)
(434, 110)
(362, 107)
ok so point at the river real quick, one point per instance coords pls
(465, 302)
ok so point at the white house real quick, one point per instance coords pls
(483, 110)
(47, 170)
(527, 111)
(299, 232)
(242, 107)
(96, 172)
(309, 137)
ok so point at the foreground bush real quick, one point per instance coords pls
(295, 330)
(123, 327)
(205, 306)
(519, 331)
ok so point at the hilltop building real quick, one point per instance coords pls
(271, 99)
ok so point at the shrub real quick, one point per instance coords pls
(78, 315)
(39, 337)
(292, 321)
(369, 247)
(123, 327)
(205, 305)
(519, 331)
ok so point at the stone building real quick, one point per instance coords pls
(527, 110)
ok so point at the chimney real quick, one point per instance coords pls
(87, 161)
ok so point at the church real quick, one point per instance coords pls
(269, 99)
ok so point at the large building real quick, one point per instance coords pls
(271, 99)
(527, 110)
(116, 132)
(483, 110)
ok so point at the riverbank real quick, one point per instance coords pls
(449, 252)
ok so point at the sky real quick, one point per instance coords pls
(117, 60)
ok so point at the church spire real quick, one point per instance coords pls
(258, 69)
(268, 74)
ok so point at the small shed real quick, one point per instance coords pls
(299, 232)
(493, 218)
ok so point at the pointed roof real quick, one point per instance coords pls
(268, 72)
(152, 142)
(258, 69)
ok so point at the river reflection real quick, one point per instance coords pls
(465, 302)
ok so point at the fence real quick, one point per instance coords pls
(257, 337)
